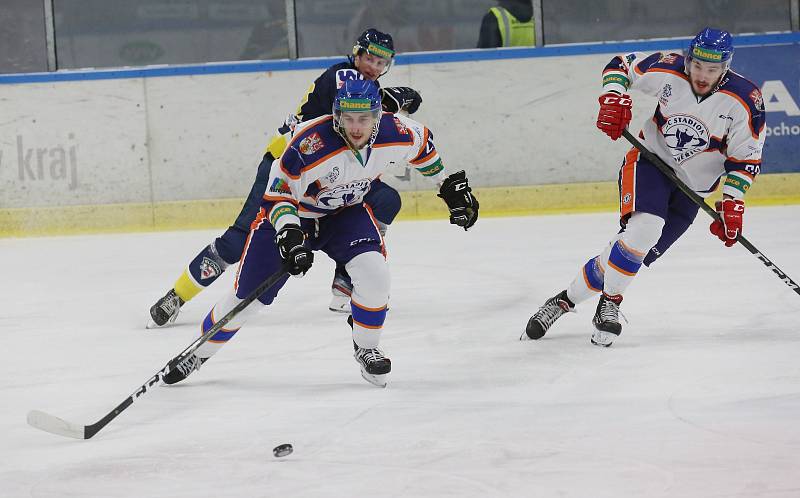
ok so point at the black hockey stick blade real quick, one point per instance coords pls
(695, 197)
(55, 425)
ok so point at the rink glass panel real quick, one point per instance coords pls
(22, 37)
(574, 21)
(115, 33)
(329, 27)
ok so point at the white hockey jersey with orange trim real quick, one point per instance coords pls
(702, 139)
(319, 174)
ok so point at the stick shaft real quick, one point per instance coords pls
(695, 197)
(55, 425)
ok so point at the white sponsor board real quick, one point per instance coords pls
(507, 122)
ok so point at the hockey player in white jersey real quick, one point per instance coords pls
(314, 201)
(708, 126)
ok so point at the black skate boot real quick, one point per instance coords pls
(543, 319)
(165, 311)
(374, 365)
(606, 320)
(181, 367)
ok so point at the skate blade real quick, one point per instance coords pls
(603, 339)
(375, 380)
(153, 325)
(340, 304)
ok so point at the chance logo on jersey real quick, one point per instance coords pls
(685, 135)
(343, 195)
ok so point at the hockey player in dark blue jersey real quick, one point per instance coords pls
(372, 57)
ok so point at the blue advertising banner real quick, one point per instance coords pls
(776, 70)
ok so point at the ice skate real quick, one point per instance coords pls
(374, 365)
(606, 320)
(165, 311)
(548, 313)
(182, 367)
(341, 289)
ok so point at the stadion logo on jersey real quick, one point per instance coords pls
(685, 135)
(343, 195)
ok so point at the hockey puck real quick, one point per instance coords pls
(282, 450)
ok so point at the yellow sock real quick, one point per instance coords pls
(186, 288)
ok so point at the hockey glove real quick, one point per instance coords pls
(615, 114)
(290, 246)
(729, 226)
(463, 206)
(400, 98)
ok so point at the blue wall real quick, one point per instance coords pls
(778, 65)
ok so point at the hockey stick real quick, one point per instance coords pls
(61, 427)
(669, 173)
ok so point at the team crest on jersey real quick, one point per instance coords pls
(311, 144)
(343, 75)
(401, 128)
(209, 269)
(343, 195)
(758, 99)
(685, 135)
(668, 59)
(666, 93)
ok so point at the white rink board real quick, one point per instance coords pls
(507, 122)
(72, 143)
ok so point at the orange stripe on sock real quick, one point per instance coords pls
(367, 309)
(624, 272)
(371, 327)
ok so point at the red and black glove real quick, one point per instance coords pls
(729, 226)
(615, 114)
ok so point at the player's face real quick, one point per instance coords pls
(358, 127)
(704, 76)
(371, 66)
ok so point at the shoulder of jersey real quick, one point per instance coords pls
(665, 62)
(393, 131)
(332, 70)
(315, 140)
(744, 90)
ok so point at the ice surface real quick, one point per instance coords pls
(700, 396)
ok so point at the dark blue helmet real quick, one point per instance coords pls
(357, 96)
(376, 43)
(712, 45)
